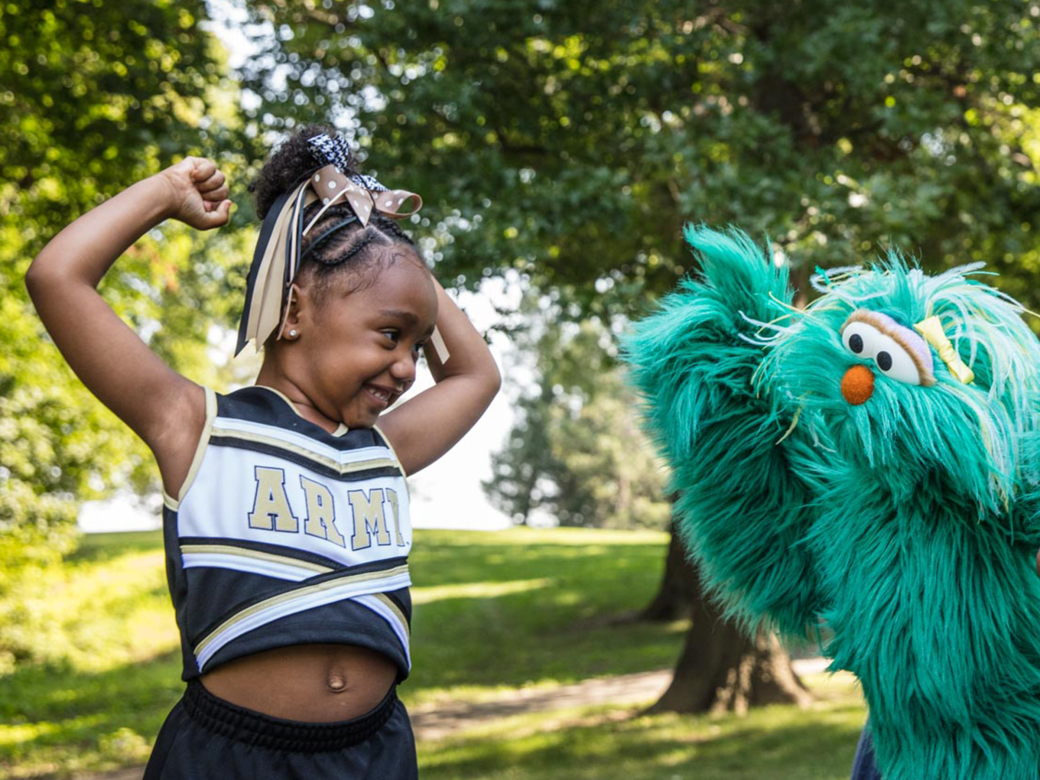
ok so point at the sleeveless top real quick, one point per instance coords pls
(286, 534)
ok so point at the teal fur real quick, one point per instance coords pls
(907, 525)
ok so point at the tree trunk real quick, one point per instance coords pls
(674, 597)
(720, 668)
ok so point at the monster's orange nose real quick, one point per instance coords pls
(857, 385)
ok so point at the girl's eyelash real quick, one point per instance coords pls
(394, 335)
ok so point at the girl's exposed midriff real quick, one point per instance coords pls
(310, 683)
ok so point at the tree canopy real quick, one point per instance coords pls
(92, 98)
(571, 141)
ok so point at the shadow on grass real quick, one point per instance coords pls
(803, 746)
(551, 617)
(528, 636)
(447, 562)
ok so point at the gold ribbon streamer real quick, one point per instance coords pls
(932, 330)
(265, 310)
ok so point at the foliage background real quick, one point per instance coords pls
(567, 143)
(92, 98)
(570, 142)
(559, 145)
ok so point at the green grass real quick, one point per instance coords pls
(603, 743)
(525, 607)
(111, 672)
(493, 611)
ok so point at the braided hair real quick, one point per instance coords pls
(337, 245)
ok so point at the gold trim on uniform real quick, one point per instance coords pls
(389, 446)
(169, 501)
(327, 462)
(200, 451)
(389, 604)
(243, 552)
(295, 595)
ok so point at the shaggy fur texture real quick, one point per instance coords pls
(908, 525)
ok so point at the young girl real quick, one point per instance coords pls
(286, 517)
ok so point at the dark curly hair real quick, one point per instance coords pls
(354, 251)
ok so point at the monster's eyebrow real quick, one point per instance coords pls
(861, 315)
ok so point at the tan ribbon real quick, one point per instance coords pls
(265, 311)
(439, 347)
(932, 330)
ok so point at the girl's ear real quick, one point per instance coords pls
(291, 327)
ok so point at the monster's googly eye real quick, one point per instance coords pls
(896, 363)
(875, 336)
(857, 336)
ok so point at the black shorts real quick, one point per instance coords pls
(207, 738)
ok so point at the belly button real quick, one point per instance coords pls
(336, 683)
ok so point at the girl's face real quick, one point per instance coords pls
(360, 349)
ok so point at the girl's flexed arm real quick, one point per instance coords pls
(430, 424)
(162, 407)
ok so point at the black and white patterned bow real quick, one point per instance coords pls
(331, 151)
(363, 193)
(336, 151)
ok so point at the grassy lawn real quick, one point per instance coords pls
(493, 611)
(604, 743)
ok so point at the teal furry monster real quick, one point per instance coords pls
(835, 466)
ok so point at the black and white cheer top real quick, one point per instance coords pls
(286, 534)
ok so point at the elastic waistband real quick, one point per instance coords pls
(229, 720)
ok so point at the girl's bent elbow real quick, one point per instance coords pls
(494, 379)
(35, 278)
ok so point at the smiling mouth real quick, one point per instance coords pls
(380, 394)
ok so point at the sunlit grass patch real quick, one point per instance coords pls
(612, 743)
(534, 635)
(112, 670)
(105, 607)
(473, 590)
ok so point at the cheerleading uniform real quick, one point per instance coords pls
(285, 534)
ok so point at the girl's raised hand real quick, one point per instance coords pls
(165, 409)
(198, 193)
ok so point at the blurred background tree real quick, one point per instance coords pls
(577, 454)
(570, 142)
(92, 98)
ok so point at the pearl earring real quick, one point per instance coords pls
(292, 334)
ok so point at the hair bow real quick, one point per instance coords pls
(276, 259)
(363, 193)
(932, 330)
